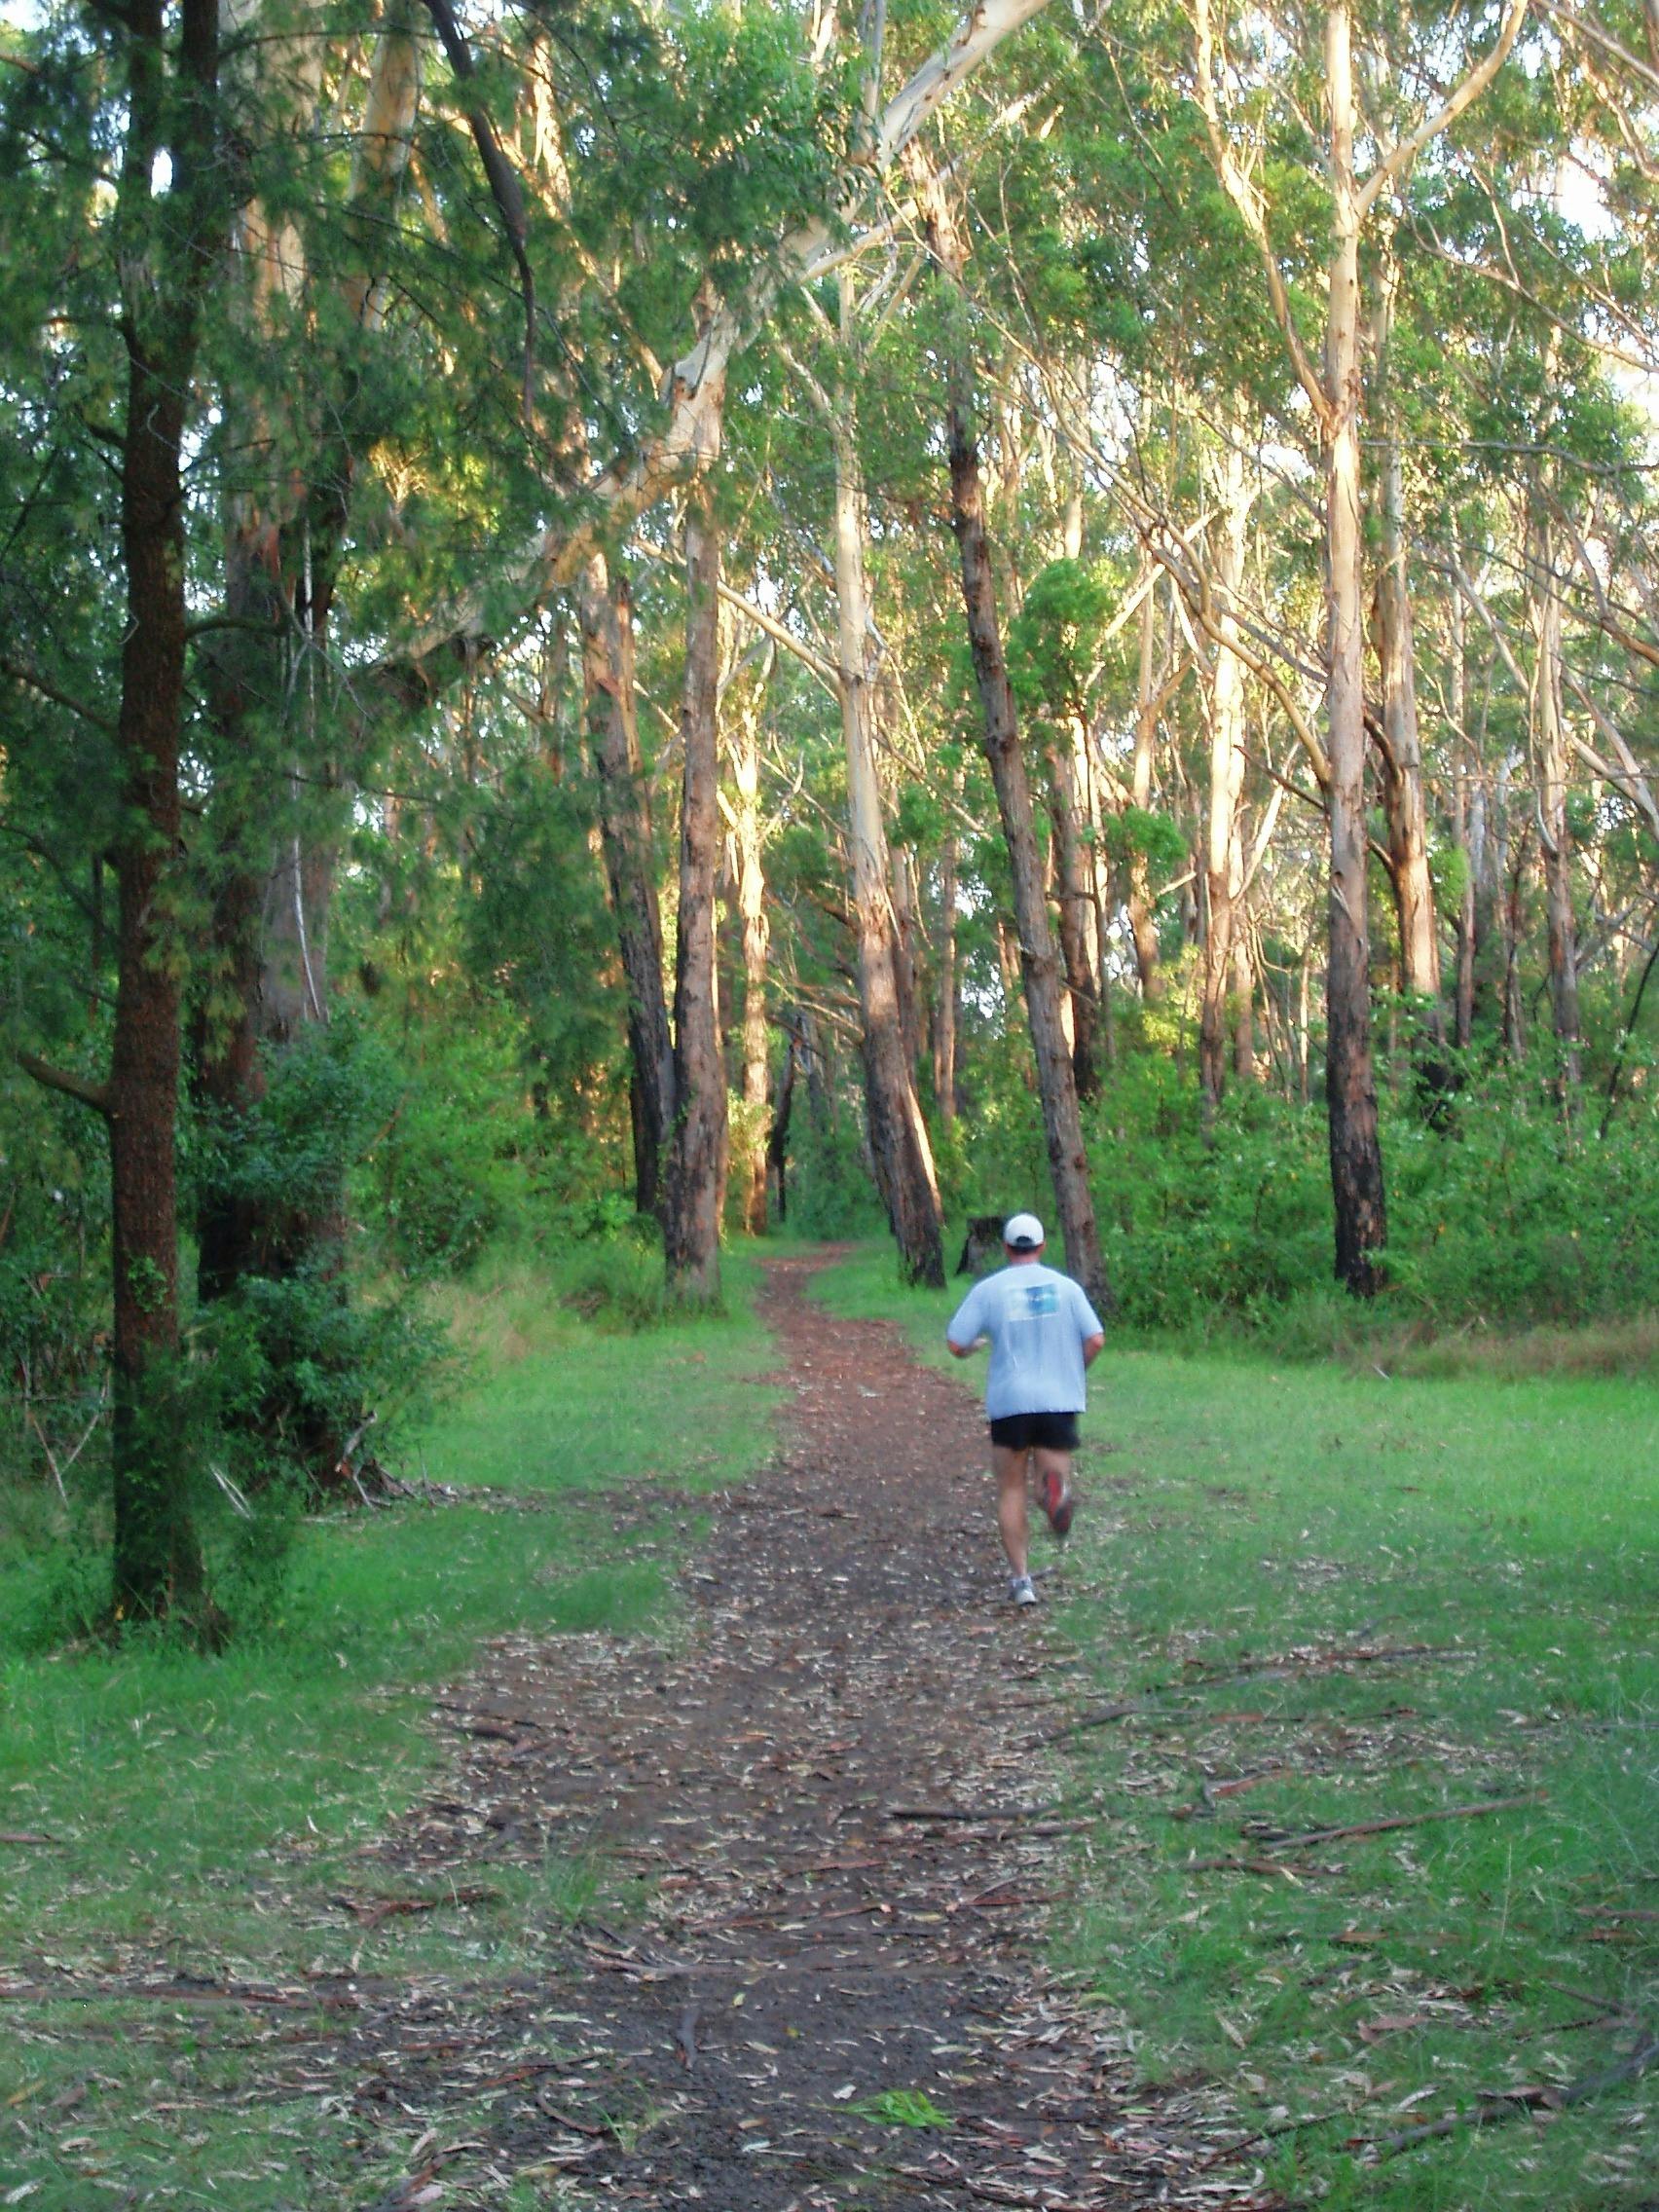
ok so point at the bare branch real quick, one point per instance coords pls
(1395, 164)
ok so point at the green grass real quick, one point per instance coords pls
(205, 1813)
(1252, 1520)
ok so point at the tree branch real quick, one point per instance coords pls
(1394, 163)
(93, 1094)
(33, 681)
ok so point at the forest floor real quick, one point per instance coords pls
(828, 1784)
(745, 1849)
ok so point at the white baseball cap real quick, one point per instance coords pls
(1022, 1232)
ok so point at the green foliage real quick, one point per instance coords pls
(1052, 641)
(901, 2108)
(831, 1194)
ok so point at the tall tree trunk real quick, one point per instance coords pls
(1549, 739)
(1142, 925)
(944, 1007)
(1225, 938)
(630, 862)
(1404, 801)
(1464, 790)
(691, 1223)
(1068, 1163)
(164, 259)
(898, 1134)
(751, 901)
(1350, 1088)
(1076, 910)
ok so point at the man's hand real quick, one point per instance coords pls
(967, 1351)
(1092, 1347)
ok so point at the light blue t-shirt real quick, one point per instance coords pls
(1036, 1320)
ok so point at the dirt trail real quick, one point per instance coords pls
(806, 1954)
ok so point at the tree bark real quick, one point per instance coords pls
(1350, 1091)
(1549, 738)
(1224, 855)
(750, 899)
(898, 1134)
(1465, 788)
(630, 862)
(166, 259)
(1076, 909)
(691, 1226)
(1068, 1163)
(1399, 749)
(945, 1013)
(1142, 927)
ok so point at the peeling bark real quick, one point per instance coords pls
(691, 1225)
(630, 863)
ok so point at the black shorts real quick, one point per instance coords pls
(1049, 1432)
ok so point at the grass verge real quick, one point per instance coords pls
(168, 1820)
(1330, 1600)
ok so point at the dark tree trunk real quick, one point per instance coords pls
(157, 1565)
(625, 827)
(1076, 909)
(1350, 1091)
(1040, 970)
(691, 1226)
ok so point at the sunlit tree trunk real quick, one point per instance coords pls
(1404, 801)
(749, 888)
(898, 1134)
(1142, 925)
(630, 863)
(1549, 739)
(1465, 800)
(1226, 948)
(691, 1225)
(944, 986)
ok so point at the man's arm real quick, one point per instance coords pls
(1092, 1347)
(964, 1334)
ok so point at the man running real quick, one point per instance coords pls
(1042, 1333)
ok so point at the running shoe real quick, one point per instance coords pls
(1057, 1501)
(1021, 1590)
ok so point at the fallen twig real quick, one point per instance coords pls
(24, 1835)
(996, 1816)
(1505, 2104)
(1313, 1837)
(1100, 1719)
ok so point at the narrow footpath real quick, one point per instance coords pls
(830, 1786)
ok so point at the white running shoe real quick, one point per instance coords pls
(1021, 1590)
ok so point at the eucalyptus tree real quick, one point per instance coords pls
(1040, 967)
(1334, 390)
(149, 103)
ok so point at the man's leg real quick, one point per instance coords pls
(1008, 1465)
(1053, 1486)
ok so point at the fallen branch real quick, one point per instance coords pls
(1505, 2104)
(1376, 1827)
(1100, 1719)
(997, 1815)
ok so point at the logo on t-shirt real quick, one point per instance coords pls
(1042, 1298)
